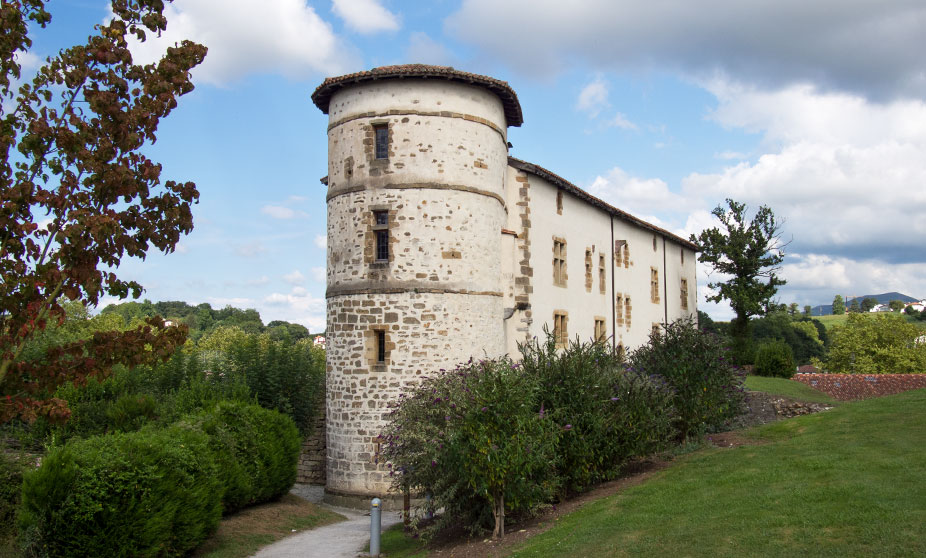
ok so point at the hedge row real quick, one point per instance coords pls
(156, 492)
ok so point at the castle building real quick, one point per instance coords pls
(441, 246)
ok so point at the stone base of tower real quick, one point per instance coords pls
(361, 501)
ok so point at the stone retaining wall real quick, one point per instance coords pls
(847, 387)
(311, 467)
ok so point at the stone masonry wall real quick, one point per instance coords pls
(847, 387)
(311, 467)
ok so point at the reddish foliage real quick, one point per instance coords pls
(69, 157)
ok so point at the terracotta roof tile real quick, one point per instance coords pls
(322, 95)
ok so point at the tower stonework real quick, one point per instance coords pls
(417, 157)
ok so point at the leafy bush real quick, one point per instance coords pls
(708, 388)
(614, 416)
(11, 479)
(147, 493)
(257, 451)
(773, 358)
(473, 439)
(876, 344)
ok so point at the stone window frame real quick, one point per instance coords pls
(560, 276)
(378, 345)
(561, 328)
(627, 311)
(654, 285)
(622, 253)
(602, 274)
(559, 202)
(377, 165)
(684, 293)
(588, 270)
(374, 235)
(601, 329)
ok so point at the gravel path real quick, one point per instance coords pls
(346, 539)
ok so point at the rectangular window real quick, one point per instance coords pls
(380, 346)
(654, 285)
(626, 251)
(560, 334)
(619, 308)
(601, 273)
(559, 202)
(559, 262)
(381, 230)
(600, 332)
(684, 294)
(381, 131)
(588, 270)
(683, 256)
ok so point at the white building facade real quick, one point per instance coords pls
(442, 247)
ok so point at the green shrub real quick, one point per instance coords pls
(876, 344)
(11, 479)
(774, 358)
(257, 451)
(708, 388)
(473, 439)
(613, 416)
(146, 493)
(131, 412)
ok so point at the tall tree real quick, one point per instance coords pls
(896, 305)
(854, 307)
(839, 305)
(869, 303)
(792, 309)
(807, 310)
(750, 254)
(77, 195)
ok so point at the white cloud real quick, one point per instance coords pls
(861, 46)
(422, 48)
(635, 195)
(181, 248)
(321, 241)
(298, 306)
(275, 36)
(365, 16)
(251, 249)
(295, 277)
(260, 281)
(282, 212)
(594, 97)
(319, 275)
(620, 121)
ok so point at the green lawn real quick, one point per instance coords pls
(846, 482)
(787, 388)
(835, 320)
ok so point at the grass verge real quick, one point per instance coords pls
(787, 388)
(845, 482)
(394, 543)
(244, 533)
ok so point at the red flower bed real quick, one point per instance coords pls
(846, 387)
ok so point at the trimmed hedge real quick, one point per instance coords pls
(257, 451)
(156, 492)
(774, 358)
(146, 493)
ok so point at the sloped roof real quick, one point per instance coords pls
(322, 95)
(561, 182)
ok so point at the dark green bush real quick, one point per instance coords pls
(131, 412)
(473, 439)
(613, 416)
(708, 388)
(12, 468)
(774, 358)
(257, 451)
(146, 493)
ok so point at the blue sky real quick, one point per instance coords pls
(662, 108)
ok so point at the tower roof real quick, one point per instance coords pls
(322, 95)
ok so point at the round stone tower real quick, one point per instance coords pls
(417, 158)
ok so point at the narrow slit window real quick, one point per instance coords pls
(381, 131)
(601, 274)
(380, 346)
(381, 230)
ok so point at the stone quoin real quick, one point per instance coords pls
(442, 247)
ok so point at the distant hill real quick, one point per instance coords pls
(827, 309)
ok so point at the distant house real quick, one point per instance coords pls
(918, 306)
(319, 341)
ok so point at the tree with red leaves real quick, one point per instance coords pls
(77, 195)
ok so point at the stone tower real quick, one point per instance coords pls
(417, 157)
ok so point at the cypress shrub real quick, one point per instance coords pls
(146, 493)
(257, 450)
(774, 358)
